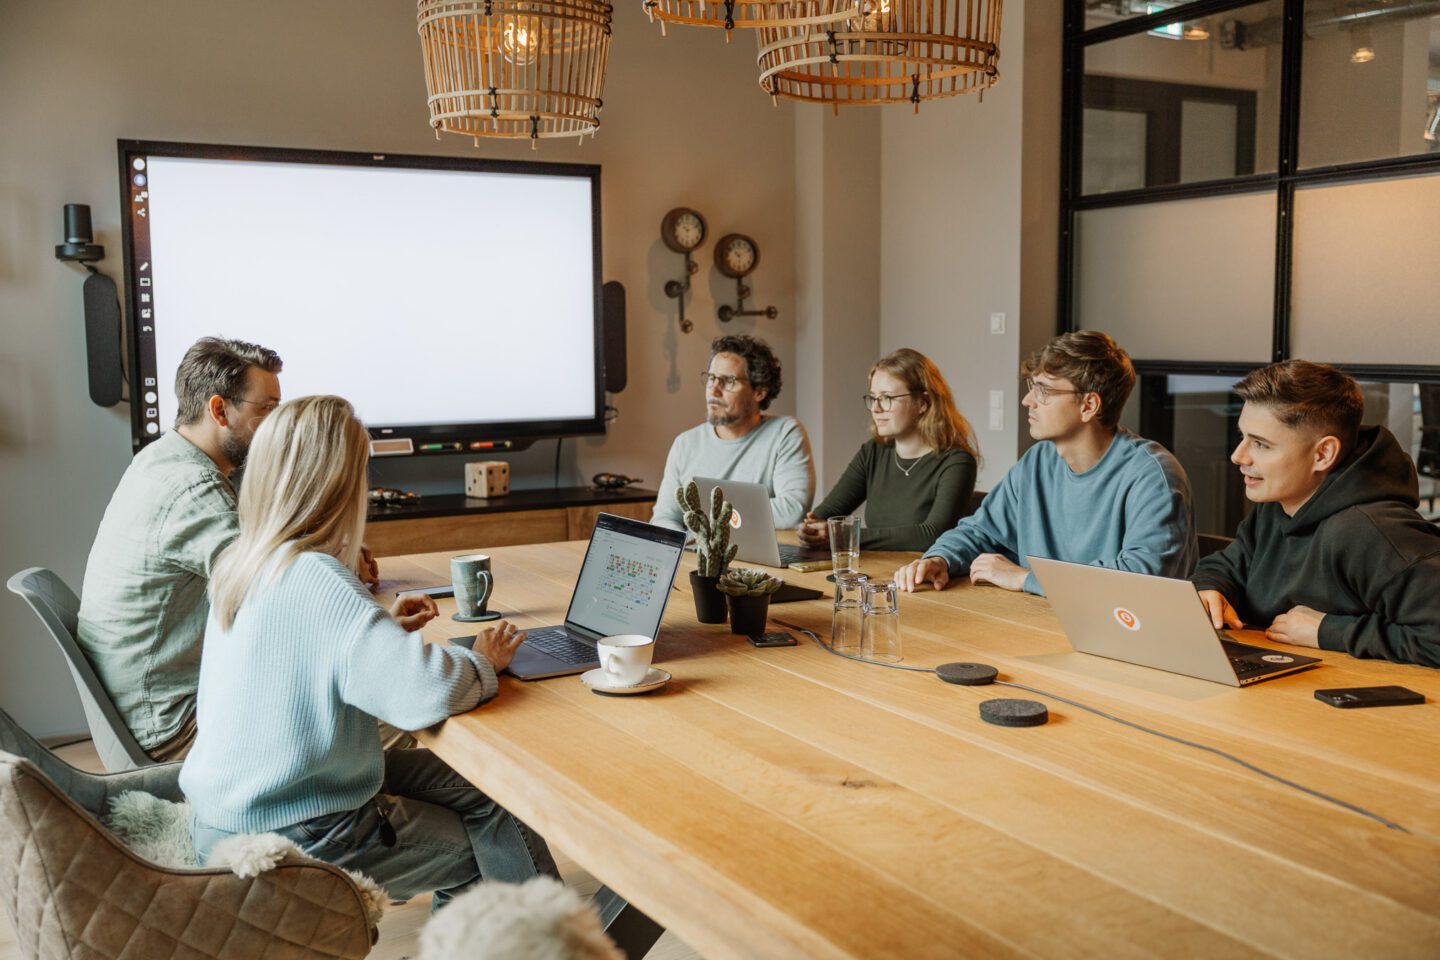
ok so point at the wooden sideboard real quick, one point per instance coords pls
(457, 522)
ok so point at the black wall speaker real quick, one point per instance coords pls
(102, 339)
(612, 325)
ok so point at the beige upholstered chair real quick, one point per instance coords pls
(73, 890)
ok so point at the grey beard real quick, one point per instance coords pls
(723, 419)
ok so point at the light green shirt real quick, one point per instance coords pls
(143, 605)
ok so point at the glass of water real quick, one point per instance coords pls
(844, 544)
(880, 636)
(847, 624)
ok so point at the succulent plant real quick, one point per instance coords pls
(749, 583)
(712, 533)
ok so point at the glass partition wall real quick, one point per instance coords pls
(1245, 182)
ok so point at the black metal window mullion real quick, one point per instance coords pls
(1287, 179)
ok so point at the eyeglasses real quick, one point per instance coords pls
(886, 400)
(1043, 392)
(727, 383)
(267, 407)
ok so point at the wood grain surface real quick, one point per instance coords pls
(788, 803)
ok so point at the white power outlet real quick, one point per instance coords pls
(997, 419)
(997, 399)
(997, 323)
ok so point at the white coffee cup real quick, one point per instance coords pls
(626, 658)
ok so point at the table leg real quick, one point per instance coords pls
(633, 932)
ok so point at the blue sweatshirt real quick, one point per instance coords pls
(290, 693)
(1131, 511)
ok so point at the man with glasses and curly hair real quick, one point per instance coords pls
(143, 605)
(738, 441)
(1089, 492)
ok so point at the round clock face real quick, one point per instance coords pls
(682, 230)
(736, 255)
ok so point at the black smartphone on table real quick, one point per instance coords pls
(1351, 698)
(434, 593)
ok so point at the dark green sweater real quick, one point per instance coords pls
(902, 513)
(1357, 551)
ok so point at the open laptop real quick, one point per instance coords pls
(623, 586)
(1154, 622)
(752, 525)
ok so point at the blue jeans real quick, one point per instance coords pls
(448, 835)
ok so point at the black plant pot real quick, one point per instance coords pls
(709, 601)
(748, 614)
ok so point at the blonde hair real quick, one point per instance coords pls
(942, 426)
(304, 491)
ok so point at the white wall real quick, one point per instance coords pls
(955, 218)
(684, 124)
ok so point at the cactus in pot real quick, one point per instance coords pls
(747, 595)
(712, 532)
(748, 583)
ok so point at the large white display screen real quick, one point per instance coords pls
(423, 296)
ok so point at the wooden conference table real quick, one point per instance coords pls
(788, 803)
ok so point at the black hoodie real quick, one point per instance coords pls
(1357, 551)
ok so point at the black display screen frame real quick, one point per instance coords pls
(450, 437)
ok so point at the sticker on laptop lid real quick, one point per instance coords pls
(735, 518)
(1277, 658)
(1127, 619)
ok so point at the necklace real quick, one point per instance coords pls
(913, 464)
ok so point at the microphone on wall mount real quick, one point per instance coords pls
(102, 307)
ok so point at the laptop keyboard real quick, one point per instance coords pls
(560, 645)
(791, 554)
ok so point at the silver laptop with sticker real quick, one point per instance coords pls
(752, 525)
(1154, 622)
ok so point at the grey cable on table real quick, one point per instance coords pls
(1353, 808)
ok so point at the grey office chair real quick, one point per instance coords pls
(58, 608)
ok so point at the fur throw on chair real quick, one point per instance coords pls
(539, 919)
(159, 831)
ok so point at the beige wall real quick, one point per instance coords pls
(684, 123)
(969, 185)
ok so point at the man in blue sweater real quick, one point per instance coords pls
(1089, 492)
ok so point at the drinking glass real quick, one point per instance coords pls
(844, 544)
(880, 636)
(847, 623)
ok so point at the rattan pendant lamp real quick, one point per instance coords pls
(749, 14)
(891, 51)
(512, 69)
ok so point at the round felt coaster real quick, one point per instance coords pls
(1014, 713)
(967, 674)
(487, 615)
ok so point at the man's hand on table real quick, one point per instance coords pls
(932, 570)
(994, 569)
(1299, 625)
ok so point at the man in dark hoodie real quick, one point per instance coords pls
(1335, 554)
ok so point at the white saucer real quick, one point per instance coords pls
(599, 683)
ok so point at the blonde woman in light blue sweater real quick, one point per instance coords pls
(299, 662)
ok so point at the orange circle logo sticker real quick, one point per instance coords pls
(1127, 619)
(735, 518)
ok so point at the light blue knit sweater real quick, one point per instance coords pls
(289, 696)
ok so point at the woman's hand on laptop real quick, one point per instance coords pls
(499, 643)
(413, 610)
(933, 570)
(1222, 615)
(1299, 625)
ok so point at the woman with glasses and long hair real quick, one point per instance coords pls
(917, 471)
(299, 661)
